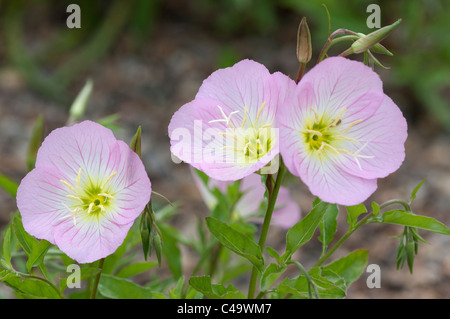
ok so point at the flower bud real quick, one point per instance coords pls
(373, 38)
(304, 48)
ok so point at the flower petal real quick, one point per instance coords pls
(339, 82)
(91, 238)
(381, 140)
(41, 200)
(87, 145)
(131, 186)
(330, 183)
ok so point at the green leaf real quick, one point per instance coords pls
(375, 209)
(326, 288)
(6, 245)
(351, 266)
(171, 251)
(26, 241)
(29, 287)
(78, 106)
(8, 185)
(120, 288)
(136, 142)
(414, 192)
(270, 275)
(353, 213)
(328, 226)
(215, 291)
(303, 231)
(401, 217)
(274, 254)
(135, 269)
(35, 142)
(37, 254)
(236, 242)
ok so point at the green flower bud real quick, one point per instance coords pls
(304, 48)
(373, 38)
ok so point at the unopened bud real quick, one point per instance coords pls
(304, 48)
(370, 40)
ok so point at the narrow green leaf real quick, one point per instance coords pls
(136, 142)
(303, 231)
(35, 142)
(78, 106)
(8, 185)
(37, 254)
(401, 217)
(135, 269)
(414, 192)
(236, 242)
(215, 291)
(120, 288)
(26, 241)
(375, 209)
(274, 254)
(328, 226)
(351, 266)
(353, 213)
(6, 245)
(171, 251)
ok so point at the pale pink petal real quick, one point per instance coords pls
(339, 82)
(41, 200)
(381, 140)
(90, 239)
(330, 183)
(286, 213)
(87, 145)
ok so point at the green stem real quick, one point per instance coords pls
(343, 239)
(97, 279)
(273, 194)
(308, 278)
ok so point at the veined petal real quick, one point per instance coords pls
(131, 187)
(42, 202)
(330, 183)
(339, 82)
(90, 239)
(246, 84)
(381, 143)
(86, 145)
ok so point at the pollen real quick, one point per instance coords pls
(324, 136)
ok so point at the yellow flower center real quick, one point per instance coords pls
(323, 134)
(249, 142)
(91, 199)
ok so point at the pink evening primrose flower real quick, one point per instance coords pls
(228, 130)
(285, 215)
(85, 192)
(339, 132)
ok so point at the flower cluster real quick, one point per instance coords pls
(336, 129)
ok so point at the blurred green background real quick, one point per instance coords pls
(147, 58)
(51, 58)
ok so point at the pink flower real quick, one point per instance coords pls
(339, 132)
(85, 192)
(286, 213)
(228, 131)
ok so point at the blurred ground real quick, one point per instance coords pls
(148, 87)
